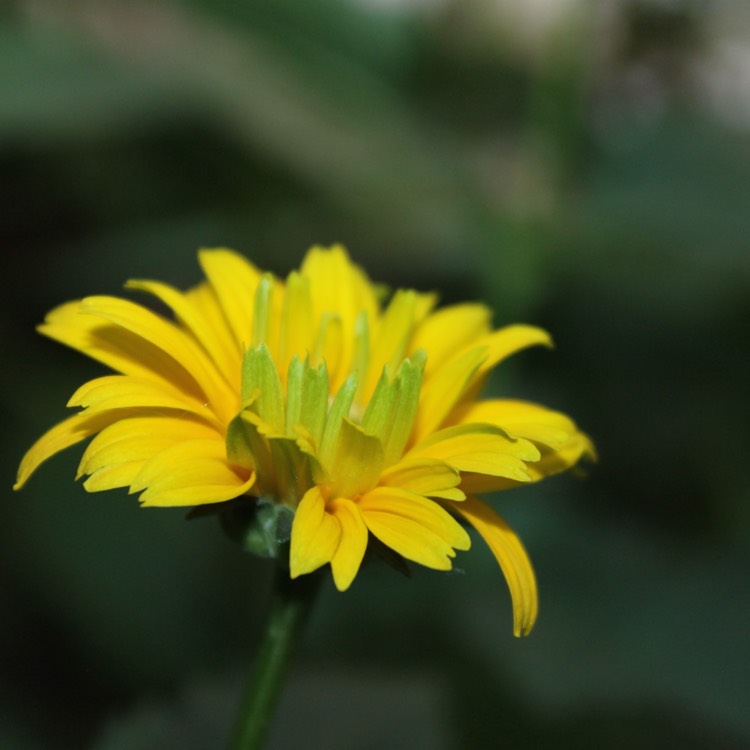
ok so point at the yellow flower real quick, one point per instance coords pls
(361, 419)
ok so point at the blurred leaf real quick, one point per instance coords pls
(55, 84)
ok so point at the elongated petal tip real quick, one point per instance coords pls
(512, 558)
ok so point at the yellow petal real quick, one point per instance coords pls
(449, 330)
(521, 419)
(425, 476)
(417, 528)
(500, 345)
(552, 461)
(411, 540)
(506, 341)
(170, 339)
(125, 391)
(513, 560)
(296, 333)
(329, 346)
(113, 477)
(315, 535)
(426, 512)
(338, 286)
(203, 298)
(479, 484)
(441, 392)
(135, 450)
(193, 472)
(214, 338)
(555, 461)
(234, 280)
(133, 440)
(61, 436)
(392, 339)
(426, 301)
(483, 449)
(353, 544)
(115, 347)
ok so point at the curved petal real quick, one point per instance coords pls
(64, 434)
(449, 330)
(415, 527)
(521, 419)
(480, 448)
(215, 339)
(339, 288)
(443, 390)
(425, 476)
(192, 472)
(125, 391)
(170, 339)
(315, 535)
(555, 461)
(389, 346)
(552, 461)
(116, 455)
(329, 346)
(115, 347)
(296, 334)
(513, 560)
(411, 540)
(204, 299)
(352, 545)
(499, 345)
(234, 281)
(113, 477)
(508, 340)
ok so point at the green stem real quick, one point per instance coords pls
(291, 602)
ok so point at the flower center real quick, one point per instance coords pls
(307, 436)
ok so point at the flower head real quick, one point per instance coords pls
(362, 419)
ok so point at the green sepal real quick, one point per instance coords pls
(393, 406)
(259, 374)
(262, 526)
(247, 445)
(271, 530)
(409, 380)
(241, 446)
(378, 414)
(306, 445)
(356, 462)
(339, 409)
(294, 475)
(262, 309)
(314, 401)
(294, 393)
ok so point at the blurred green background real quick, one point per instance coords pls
(584, 166)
